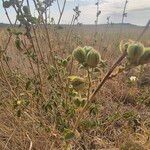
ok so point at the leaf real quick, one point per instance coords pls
(18, 113)
(28, 84)
(69, 135)
(77, 102)
(72, 77)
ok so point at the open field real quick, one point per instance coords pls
(38, 109)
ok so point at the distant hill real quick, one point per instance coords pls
(3, 24)
(113, 24)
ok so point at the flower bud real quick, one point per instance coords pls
(145, 58)
(135, 51)
(93, 58)
(79, 55)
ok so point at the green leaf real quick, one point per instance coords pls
(18, 113)
(69, 135)
(77, 102)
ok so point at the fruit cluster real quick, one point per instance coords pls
(87, 56)
(137, 54)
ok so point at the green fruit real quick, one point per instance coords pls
(6, 4)
(26, 9)
(134, 52)
(79, 55)
(145, 58)
(87, 49)
(93, 58)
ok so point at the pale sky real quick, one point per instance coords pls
(138, 11)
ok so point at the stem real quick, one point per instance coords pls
(89, 80)
(95, 92)
(58, 6)
(123, 16)
(107, 75)
(8, 83)
(61, 13)
(91, 97)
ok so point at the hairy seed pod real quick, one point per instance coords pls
(6, 4)
(26, 10)
(79, 54)
(93, 58)
(145, 58)
(87, 49)
(134, 52)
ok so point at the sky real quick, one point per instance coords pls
(138, 11)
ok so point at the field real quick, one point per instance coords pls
(38, 109)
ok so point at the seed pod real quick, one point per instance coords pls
(87, 49)
(6, 4)
(26, 9)
(135, 51)
(93, 58)
(145, 58)
(79, 54)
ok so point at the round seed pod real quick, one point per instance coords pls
(6, 4)
(134, 52)
(145, 58)
(87, 49)
(93, 58)
(79, 54)
(26, 9)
